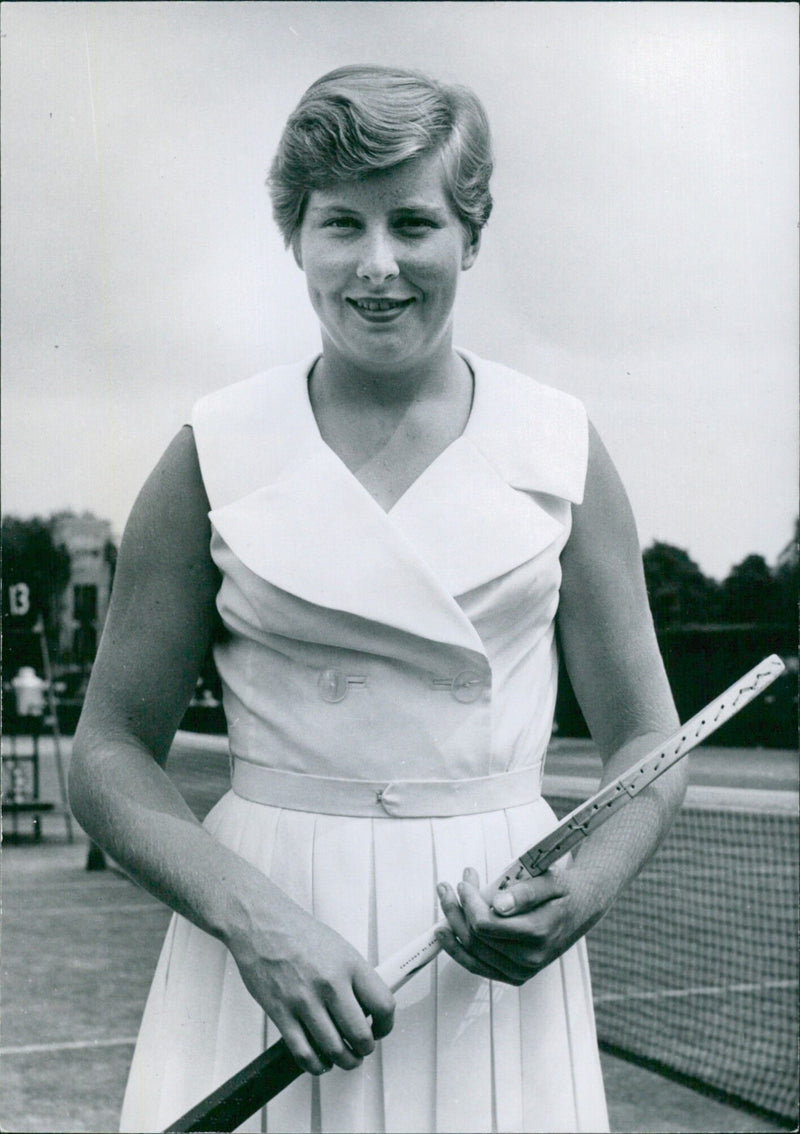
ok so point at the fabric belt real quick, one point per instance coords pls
(382, 799)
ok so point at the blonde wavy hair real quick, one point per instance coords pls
(359, 119)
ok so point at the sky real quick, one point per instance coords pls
(642, 253)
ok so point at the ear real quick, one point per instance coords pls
(296, 250)
(472, 246)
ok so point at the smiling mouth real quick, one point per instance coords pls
(383, 306)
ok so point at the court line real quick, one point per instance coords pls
(67, 1045)
(699, 990)
(122, 907)
(129, 1041)
(110, 878)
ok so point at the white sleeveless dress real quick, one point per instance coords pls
(389, 683)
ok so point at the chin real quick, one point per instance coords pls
(387, 358)
(380, 350)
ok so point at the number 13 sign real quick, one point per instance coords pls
(19, 600)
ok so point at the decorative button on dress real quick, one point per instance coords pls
(389, 684)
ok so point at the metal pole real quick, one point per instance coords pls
(51, 701)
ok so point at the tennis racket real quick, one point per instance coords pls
(252, 1087)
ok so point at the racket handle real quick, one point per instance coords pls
(243, 1094)
(415, 955)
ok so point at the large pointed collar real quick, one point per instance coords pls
(293, 513)
(535, 436)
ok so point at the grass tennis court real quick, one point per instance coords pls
(79, 949)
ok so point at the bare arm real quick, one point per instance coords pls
(609, 647)
(612, 657)
(158, 628)
(316, 988)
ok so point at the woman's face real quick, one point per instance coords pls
(382, 259)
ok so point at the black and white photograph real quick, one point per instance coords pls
(399, 566)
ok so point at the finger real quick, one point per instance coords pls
(376, 1001)
(327, 1040)
(522, 897)
(470, 876)
(353, 1026)
(472, 901)
(463, 921)
(473, 933)
(369, 997)
(530, 930)
(483, 922)
(475, 964)
(302, 1050)
(452, 910)
(515, 945)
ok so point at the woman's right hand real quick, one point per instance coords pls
(316, 988)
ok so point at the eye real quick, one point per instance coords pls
(416, 225)
(340, 222)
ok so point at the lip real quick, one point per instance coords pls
(379, 308)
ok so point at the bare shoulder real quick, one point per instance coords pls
(605, 627)
(604, 528)
(171, 511)
(162, 616)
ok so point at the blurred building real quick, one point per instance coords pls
(84, 601)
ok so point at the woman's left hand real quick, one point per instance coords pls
(544, 916)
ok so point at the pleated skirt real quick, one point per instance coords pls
(466, 1054)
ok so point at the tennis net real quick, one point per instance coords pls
(695, 969)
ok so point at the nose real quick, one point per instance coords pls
(377, 261)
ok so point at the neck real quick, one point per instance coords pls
(341, 379)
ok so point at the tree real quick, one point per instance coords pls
(787, 579)
(750, 594)
(680, 594)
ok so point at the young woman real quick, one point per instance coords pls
(384, 541)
